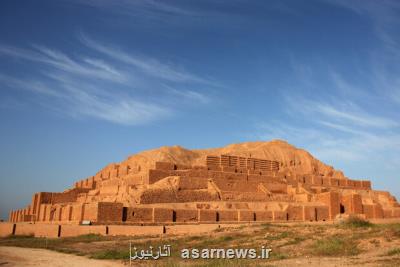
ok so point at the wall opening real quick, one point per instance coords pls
(342, 209)
(125, 214)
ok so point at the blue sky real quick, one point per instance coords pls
(86, 83)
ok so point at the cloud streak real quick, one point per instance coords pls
(109, 86)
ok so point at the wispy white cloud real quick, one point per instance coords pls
(62, 62)
(152, 9)
(148, 65)
(111, 84)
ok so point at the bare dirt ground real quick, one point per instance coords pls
(15, 256)
(351, 243)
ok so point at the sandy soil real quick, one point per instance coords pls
(14, 256)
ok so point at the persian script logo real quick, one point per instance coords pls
(162, 251)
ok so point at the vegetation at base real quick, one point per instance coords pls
(287, 242)
(392, 252)
(355, 221)
(335, 246)
(111, 254)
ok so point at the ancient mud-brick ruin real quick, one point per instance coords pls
(249, 182)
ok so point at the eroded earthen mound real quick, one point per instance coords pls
(253, 181)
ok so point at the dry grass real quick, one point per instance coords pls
(287, 242)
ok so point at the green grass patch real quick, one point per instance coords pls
(392, 252)
(335, 246)
(111, 254)
(355, 222)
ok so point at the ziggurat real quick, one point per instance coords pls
(248, 182)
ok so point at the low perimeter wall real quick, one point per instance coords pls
(66, 230)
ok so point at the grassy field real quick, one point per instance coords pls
(351, 243)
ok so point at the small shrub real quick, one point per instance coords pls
(355, 221)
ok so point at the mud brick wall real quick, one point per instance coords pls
(76, 230)
(246, 216)
(295, 213)
(242, 163)
(396, 212)
(264, 216)
(378, 211)
(139, 214)
(91, 211)
(276, 187)
(366, 184)
(309, 213)
(185, 215)
(280, 215)
(227, 215)
(128, 230)
(207, 215)
(46, 230)
(331, 199)
(343, 182)
(156, 175)
(368, 210)
(322, 213)
(165, 166)
(162, 215)
(196, 195)
(326, 181)
(357, 184)
(44, 214)
(69, 196)
(192, 183)
(352, 203)
(66, 213)
(334, 182)
(109, 212)
(77, 212)
(157, 196)
(387, 213)
(6, 229)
